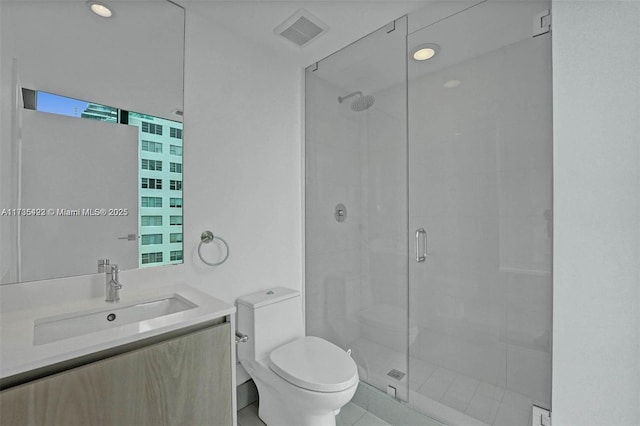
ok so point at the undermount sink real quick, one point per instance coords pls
(52, 329)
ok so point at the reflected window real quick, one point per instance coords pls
(150, 146)
(61, 105)
(151, 202)
(175, 185)
(152, 257)
(151, 165)
(154, 129)
(155, 146)
(148, 239)
(175, 132)
(151, 220)
(148, 183)
(175, 167)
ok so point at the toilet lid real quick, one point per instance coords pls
(315, 364)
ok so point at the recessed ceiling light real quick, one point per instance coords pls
(100, 9)
(425, 51)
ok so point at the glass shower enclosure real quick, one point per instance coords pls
(356, 204)
(428, 211)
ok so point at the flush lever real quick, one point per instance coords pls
(241, 338)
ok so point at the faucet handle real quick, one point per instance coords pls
(103, 264)
(115, 272)
(113, 283)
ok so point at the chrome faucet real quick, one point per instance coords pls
(113, 283)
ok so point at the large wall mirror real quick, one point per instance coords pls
(90, 137)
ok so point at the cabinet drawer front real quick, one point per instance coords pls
(182, 381)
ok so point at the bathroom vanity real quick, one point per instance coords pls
(174, 368)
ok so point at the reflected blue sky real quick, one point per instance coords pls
(56, 104)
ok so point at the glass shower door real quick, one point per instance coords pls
(356, 204)
(480, 181)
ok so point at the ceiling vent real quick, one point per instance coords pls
(301, 28)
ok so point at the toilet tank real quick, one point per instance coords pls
(270, 318)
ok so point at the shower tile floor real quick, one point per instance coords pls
(491, 404)
(434, 388)
(350, 415)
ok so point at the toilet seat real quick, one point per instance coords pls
(315, 364)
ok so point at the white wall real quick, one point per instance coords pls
(242, 161)
(596, 324)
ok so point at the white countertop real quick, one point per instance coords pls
(19, 354)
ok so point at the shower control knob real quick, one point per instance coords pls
(340, 213)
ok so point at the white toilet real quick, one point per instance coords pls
(301, 380)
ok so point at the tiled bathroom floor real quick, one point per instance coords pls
(350, 415)
(439, 393)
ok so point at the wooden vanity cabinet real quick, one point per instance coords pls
(185, 380)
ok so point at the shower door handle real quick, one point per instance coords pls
(421, 256)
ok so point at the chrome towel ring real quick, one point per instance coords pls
(206, 238)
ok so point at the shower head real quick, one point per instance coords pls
(361, 104)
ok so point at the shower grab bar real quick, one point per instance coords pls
(423, 257)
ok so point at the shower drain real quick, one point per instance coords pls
(396, 374)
